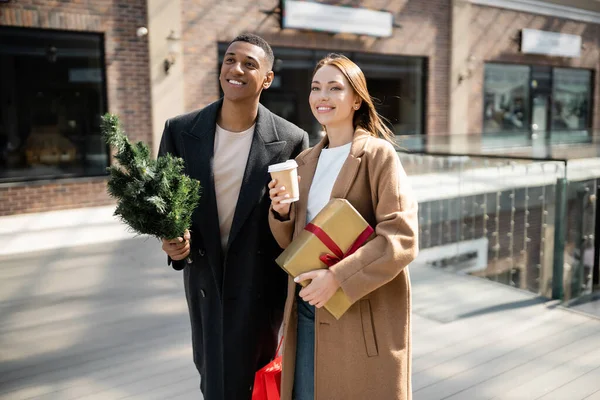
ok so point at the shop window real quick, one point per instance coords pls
(571, 98)
(537, 102)
(396, 82)
(51, 99)
(506, 98)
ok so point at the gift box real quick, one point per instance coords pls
(334, 234)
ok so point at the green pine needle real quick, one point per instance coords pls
(154, 197)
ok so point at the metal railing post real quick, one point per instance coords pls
(559, 238)
(596, 270)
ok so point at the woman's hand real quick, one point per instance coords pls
(277, 194)
(178, 248)
(322, 287)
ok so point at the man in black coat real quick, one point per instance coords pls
(234, 289)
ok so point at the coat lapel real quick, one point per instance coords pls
(265, 149)
(199, 152)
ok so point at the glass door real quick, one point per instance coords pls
(571, 105)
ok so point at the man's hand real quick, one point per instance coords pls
(322, 287)
(178, 248)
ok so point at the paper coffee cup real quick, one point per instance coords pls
(286, 174)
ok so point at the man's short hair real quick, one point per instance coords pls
(257, 41)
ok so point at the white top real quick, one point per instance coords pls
(229, 164)
(328, 169)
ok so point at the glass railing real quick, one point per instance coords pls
(582, 230)
(521, 215)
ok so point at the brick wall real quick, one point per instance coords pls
(494, 38)
(128, 87)
(424, 32)
(38, 197)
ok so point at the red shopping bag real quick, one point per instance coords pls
(267, 380)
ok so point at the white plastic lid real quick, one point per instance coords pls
(289, 164)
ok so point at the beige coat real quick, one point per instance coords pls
(366, 353)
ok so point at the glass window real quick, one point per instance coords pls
(506, 98)
(571, 99)
(51, 100)
(395, 81)
(397, 85)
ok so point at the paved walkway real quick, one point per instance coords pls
(109, 321)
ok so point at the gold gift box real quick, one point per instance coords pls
(343, 224)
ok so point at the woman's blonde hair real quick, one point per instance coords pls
(366, 117)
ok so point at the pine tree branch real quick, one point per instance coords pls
(154, 197)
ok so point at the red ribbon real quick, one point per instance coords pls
(338, 255)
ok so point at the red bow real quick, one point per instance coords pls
(338, 255)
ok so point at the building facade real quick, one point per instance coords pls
(524, 68)
(63, 64)
(447, 67)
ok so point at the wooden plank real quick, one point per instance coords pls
(106, 365)
(186, 386)
(469, 333)
(527, 366)
(481, 341)
(133, 383)
(191, 395)
(558, 378)
(72, 355)
(580, 388)
(95, 323)
(469, 295)
(505, 306)
(47, 283)
(594, 396)
(592, 308)
(74, 312)
(451, 377)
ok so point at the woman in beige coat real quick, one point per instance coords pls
(366, 353)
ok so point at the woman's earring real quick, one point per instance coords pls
(356, 107)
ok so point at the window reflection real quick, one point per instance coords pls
(52, 98)
(506, 98)
(571, 99)
(553, 103)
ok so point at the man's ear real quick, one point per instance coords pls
(268, 80)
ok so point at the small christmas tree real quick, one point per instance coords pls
(154, 197)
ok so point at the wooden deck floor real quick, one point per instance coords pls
(110, 322)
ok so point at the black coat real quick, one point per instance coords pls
(235, 298)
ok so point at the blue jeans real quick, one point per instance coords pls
(304, 375)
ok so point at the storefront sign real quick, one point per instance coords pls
(550, 43)
(337, 19)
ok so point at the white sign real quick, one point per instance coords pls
(338, 19)
(550, 43)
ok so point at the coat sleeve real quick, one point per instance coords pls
(167, 146)
(395, 243)
(283, 230)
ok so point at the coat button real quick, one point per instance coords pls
(201, 252)
(202, 293)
